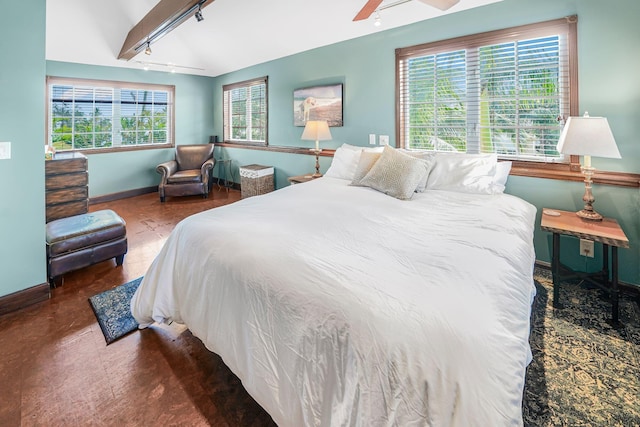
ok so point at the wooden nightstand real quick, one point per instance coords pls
(299, 179)
(607, 232)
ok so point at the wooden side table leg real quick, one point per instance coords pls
(555, 270)
(615, 292)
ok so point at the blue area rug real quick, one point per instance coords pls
(584, 371)
(113, 311)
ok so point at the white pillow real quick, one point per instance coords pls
(345, 161)
(351, 147)
(465, 173)
(502, 174)
(396, 174)
(424, 155)
(374, 149)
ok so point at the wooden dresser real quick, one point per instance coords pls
(66, 185)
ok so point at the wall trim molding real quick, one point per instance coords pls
(123, 195)
(24, 298)
(136, 192)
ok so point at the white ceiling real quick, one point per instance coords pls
(233, 35)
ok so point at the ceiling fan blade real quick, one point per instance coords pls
(367, 10)
(441, 4)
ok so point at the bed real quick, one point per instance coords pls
(338, 305)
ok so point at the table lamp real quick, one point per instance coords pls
(316, 130)
(588, 136)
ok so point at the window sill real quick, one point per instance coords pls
(119, 149)
(278, 149)
(567, 172)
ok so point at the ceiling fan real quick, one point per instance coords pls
(372, 5)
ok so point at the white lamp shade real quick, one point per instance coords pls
(588, 136)
(316, 130)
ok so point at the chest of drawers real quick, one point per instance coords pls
(66, 185)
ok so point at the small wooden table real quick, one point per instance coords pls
(607, 232)
(299, 179)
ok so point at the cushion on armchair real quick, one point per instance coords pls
(190, 175)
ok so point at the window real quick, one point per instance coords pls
(506, 92)
(105, 115)
(245, 112)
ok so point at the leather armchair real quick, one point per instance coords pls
(189, 173)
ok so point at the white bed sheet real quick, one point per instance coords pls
(341, 306)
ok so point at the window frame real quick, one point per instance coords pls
(226, 120)
(113, 84)
(569, 168)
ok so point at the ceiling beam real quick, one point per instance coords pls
(161, 16)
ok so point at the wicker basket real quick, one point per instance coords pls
(255, 180)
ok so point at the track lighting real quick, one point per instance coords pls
(198, 14)
(166, 27)
(377, 22)
(173, 68)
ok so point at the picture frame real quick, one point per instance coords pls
(318, 103)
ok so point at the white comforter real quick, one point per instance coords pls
(341, 306)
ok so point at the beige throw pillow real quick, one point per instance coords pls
(367, 160)
(396, 174)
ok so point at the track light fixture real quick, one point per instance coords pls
(166, 27)
(377, 21)
(174, 68)
(198, 14)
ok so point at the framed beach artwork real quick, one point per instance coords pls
(318, 103)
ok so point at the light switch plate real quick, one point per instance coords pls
(384, 139)
(5, 150)
(372, 138)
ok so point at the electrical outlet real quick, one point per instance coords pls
(384, 139)
(5, 150)
(372, 138)
(586, 248)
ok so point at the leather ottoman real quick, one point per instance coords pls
(82, 240)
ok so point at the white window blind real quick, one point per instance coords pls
(245, 112)
(506, 92)
(90, 115)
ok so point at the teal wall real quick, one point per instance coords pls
(609, 86)
(608, 38)
(22, 251)
(117, 172)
